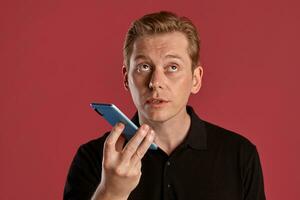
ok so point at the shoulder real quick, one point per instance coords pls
(85, 171)
(90, 153)
(233, 146)
(218, 136)
(215, 136)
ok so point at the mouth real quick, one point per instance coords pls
(156, 102)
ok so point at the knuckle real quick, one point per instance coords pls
(109, 142)
(139, 153)
(130, 149)
(127, 175)
(106, 166)
(117, 171)
(138, 173)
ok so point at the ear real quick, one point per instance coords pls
(197, 79)
(125, 77)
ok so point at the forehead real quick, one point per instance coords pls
(161, 45)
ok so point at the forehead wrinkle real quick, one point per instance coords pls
(151, 44)
(159, 47)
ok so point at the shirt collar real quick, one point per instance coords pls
(196, 136)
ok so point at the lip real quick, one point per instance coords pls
(152, 102)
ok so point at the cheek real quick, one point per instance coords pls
(182, 84)
(140, 81)
(137, 83)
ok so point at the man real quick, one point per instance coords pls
(195, 159)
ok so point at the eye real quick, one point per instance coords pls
(172, 68)
(144, 68)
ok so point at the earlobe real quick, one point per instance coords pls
(126, 85)
(197, 79)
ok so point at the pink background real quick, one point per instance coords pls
(58, 56)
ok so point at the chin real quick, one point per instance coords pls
(157, 118)
(157, 115)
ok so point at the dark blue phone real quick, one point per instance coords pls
(113, 115)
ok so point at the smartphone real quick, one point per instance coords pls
(113, 115)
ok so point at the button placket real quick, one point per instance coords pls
(168, 163)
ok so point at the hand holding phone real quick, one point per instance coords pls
(121, 165)
(113, 115)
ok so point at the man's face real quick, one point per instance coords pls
(160, 77)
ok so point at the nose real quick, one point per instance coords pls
(157, 80)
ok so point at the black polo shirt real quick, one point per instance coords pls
(212, 163)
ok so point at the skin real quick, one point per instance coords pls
(121, 167)
(160, 68)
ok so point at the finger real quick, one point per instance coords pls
(137, 169)
(120, 143)
(138, 166)
(112, 138)
(143, 147)
(134, 142)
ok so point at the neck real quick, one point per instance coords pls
(170, 133)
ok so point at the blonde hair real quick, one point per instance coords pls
(162, 22)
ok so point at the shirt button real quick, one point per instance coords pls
(169, 185)
(168, 163)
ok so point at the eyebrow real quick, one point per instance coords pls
(173, 56)
(141, 56)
